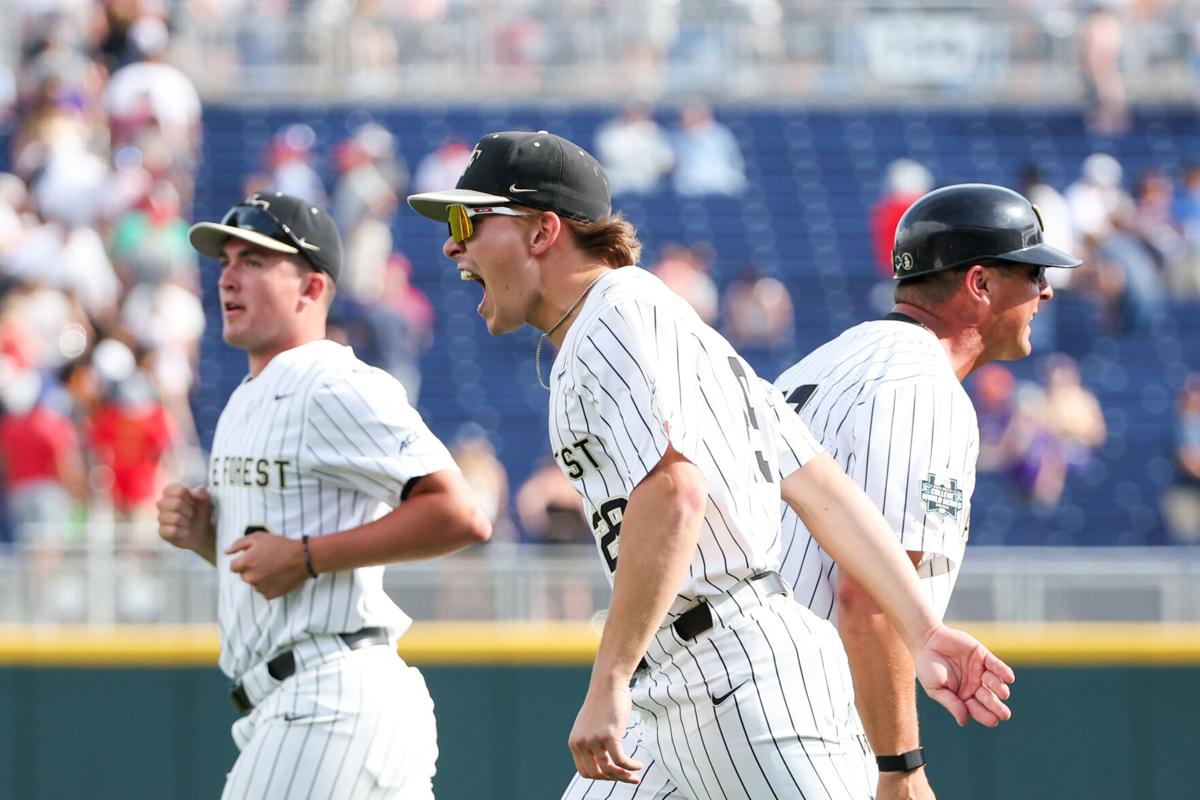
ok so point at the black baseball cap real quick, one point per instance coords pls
(278, 222)
(538, 170)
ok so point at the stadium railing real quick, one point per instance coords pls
(103, 584)
(964, 51)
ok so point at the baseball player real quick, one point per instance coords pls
(320, 474)
(677, 448)
(885, 399)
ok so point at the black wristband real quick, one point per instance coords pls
(308, 557)
(905, 762)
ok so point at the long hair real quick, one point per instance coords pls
(613, 240)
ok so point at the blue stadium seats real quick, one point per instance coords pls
(814, 173)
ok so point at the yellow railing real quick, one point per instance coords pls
(548, 643)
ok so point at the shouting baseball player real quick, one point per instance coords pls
(320, 474)
(885, 399)
(677, 448)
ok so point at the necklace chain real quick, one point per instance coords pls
(537, 353)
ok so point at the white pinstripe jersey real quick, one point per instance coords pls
(639, 370)
(316, 443)
(884, 401)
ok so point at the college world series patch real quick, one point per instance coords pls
(942, 497)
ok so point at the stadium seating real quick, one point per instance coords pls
(814, 174)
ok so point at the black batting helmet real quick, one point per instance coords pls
(971, 223)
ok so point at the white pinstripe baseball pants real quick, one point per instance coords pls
(758, 707)
(354, 727)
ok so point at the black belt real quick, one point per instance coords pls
(283, 666)
(697, 619)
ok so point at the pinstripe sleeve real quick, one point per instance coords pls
(914, 446)
(632, 361)
(361, 434)
(797, 445)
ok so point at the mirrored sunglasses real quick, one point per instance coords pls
(459, 218)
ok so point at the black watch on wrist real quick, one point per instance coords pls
(905, 762)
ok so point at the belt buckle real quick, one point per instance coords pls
(767, 584)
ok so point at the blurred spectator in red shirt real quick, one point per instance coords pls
(40, 459)
(904, 182)
(131, 434)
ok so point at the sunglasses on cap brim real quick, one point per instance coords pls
(459, 216)
(259, 220)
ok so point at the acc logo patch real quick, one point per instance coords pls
(942, 497)
(903, 262)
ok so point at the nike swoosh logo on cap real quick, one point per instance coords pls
(513, 188)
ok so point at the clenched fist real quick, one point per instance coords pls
(185, 520)
(272, 564)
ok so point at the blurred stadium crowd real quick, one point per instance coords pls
(102, 320)
(769, 50)
(99, 314)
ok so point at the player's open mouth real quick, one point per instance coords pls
(230, 308)
(468, 275)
